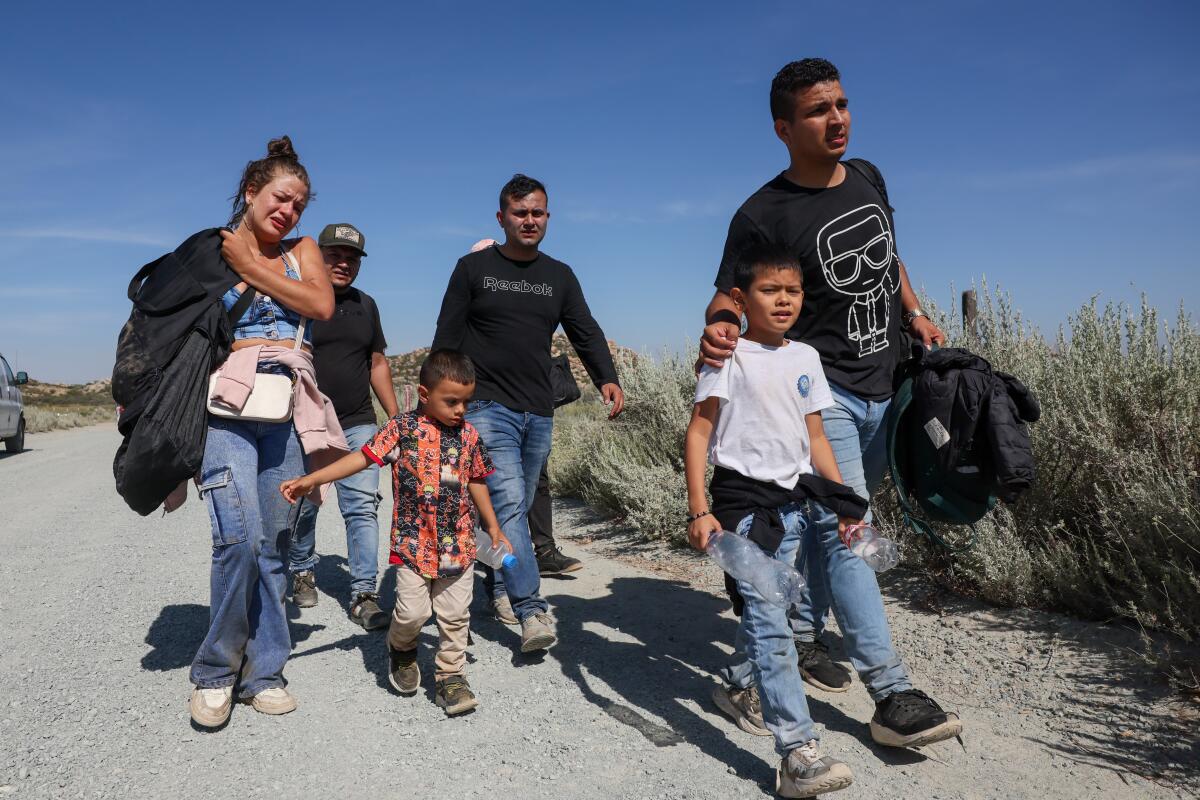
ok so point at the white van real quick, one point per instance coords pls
(12, 412)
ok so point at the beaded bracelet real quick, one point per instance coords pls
(693, 517)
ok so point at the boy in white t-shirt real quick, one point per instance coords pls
(758, 422)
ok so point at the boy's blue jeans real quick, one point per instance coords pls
(765, 639)
(856, 432)
(519, 444)
(358, 500)
(248, 641)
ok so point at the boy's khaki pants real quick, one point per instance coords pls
(450, 601)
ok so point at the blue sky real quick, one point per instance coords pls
(1054, 148)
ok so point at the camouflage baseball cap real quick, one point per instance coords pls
(342, 233)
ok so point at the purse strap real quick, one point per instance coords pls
(295, 262)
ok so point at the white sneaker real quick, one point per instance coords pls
(805, 773)
(210, 707)
(275, 700)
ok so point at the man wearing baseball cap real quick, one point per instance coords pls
(348, 355)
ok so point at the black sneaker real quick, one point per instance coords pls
(551, 561)
(912, 719)
(304, 589)
(817, 668)
(365, 611)
(455, 696)
(403, 673)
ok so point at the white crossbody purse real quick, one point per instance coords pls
(272, 396)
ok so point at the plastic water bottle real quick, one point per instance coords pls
(866, 542)
(776, 581)
(495, 557)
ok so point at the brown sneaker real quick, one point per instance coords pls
(455, 696)
(538, 632)
(274, 701)
(743, 706)
(210, 707)
(502, 608)
(403, 673)
(365, 611)
(805, 773)
(304, 589)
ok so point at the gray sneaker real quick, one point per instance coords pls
(538, 632)
(743, 706)
(502, 608)
(304, 589)
(805, 773)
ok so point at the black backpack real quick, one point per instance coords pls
(177, 334)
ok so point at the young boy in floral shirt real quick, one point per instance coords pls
(435, 454)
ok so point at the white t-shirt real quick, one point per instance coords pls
(765, 393)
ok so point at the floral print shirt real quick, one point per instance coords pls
(433, 520)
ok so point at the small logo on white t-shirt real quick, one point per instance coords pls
(804, 385)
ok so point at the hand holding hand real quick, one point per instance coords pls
(718, 342)
(296, 488)
(613, 396)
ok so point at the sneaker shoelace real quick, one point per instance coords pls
(753, 700)
(808, 752)
(913, 704)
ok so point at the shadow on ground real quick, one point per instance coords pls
(1115, 709)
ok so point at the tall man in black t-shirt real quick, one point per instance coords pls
(349, 361)
(835, 216)
(501, 307)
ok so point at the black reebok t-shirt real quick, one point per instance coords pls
(502, 313)
(846, 243)
(342, 349)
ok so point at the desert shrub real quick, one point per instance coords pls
(631, 467)
(39, 419)
(1112, 526)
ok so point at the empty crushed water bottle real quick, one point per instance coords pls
(866, 542)
(496, 557)
(777, 582)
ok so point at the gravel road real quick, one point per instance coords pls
(104, 610)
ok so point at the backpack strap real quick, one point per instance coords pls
(873, 176)
(241, 304)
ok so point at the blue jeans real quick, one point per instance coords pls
(519, 444)
(858, 435)
(765, 649)
(248, 641)
(358, 500)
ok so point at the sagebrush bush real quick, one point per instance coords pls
(1112, 526)
(40, 419)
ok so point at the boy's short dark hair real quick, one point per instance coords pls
(520, 186)
(446, 364)
(758, 258)
(795, 77)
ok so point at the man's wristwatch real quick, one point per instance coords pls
(910, 317)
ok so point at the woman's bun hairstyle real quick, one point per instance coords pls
(280, 158)
(282, 148)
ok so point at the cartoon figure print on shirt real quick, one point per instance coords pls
(858, 259)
